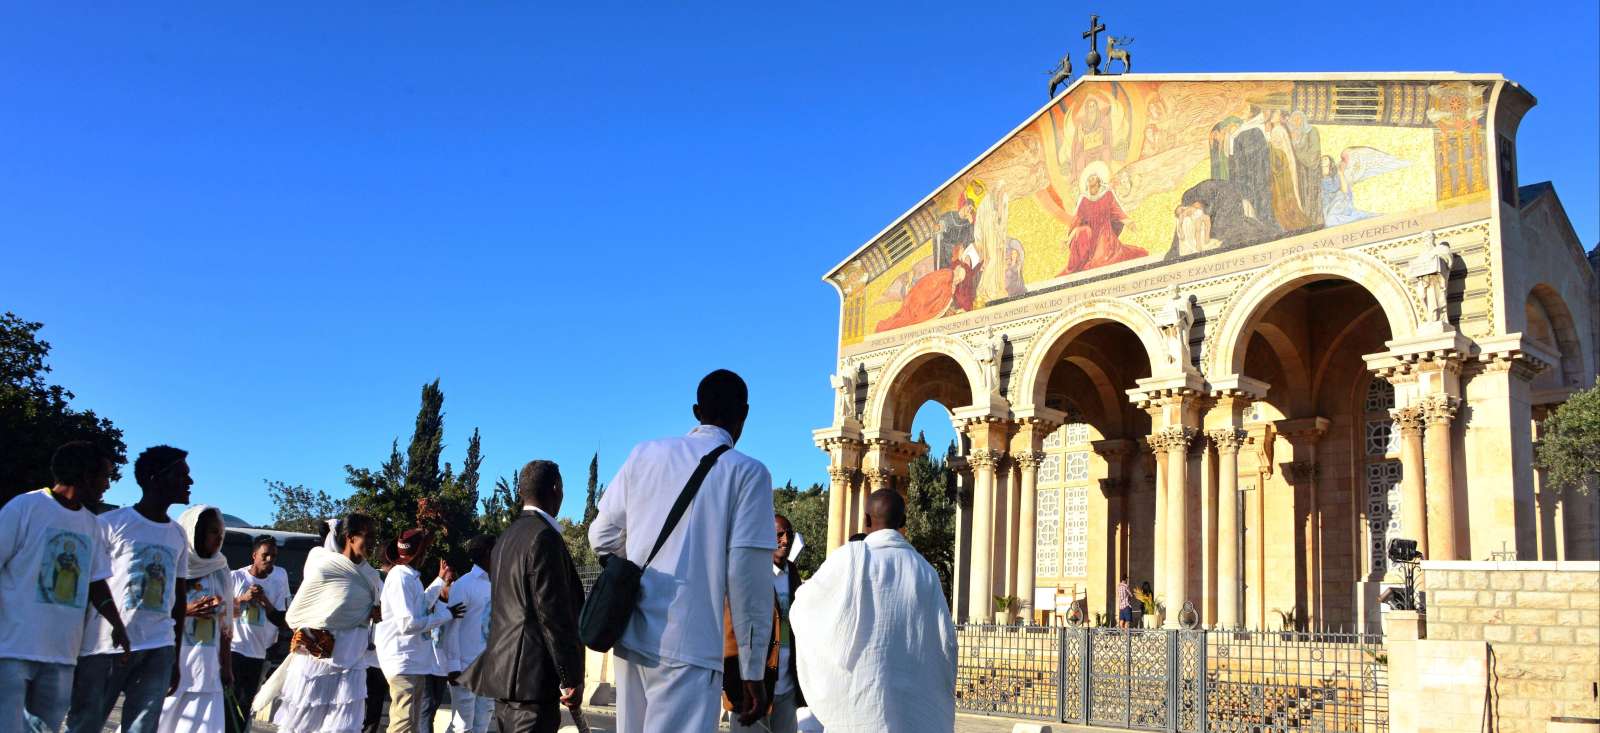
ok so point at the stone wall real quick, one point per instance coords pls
(1541, 624)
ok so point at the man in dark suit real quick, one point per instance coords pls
(533, 663)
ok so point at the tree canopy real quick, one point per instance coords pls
(36, 417)
(412, 489)
(1569, 451)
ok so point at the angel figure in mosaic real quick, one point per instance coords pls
(1355, 164)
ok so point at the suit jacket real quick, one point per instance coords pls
(533, 648)
(732, 686)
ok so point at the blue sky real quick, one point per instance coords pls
(255, 232)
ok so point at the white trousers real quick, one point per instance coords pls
(193, 712)
(667, 697)
(469, 713)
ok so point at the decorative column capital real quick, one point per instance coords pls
(841, 474)
(1227, 440)
(986, 458)
(1175, 438)
(1408, 419)
(1440, 409)
(1300, 472)
(1029, 460)
(1110, 487)
(878, 474)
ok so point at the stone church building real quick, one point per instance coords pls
(1229, 334)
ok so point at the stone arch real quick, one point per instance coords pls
(1563, 333)
(881, 401)
(1234, 328)
(1047, 345)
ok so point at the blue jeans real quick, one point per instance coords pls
(141, 680)
(34, 695)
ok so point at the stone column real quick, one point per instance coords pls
(1440, 413)
(962, 581)
(838, 504)
(980, 600)
(1158, 557)
(1230, 609)
(1413, 501)
(844, 449)
(1028, 462)
(1302, 473)
(1177, 441)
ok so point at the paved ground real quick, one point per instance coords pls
(603, 720)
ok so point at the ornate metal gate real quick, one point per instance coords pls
(1178, 681)
(1130, 677)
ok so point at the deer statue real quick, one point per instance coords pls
(1060, 74)
(1117, 50)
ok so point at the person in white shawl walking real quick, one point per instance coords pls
(323, 684)
(875, 646)
(204, 662)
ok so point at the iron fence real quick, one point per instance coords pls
(1009, 670)
(1180, 681)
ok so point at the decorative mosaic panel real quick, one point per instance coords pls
(1053, 440)
(1050, 470)
(1075, 562)
(1077, 466)
(1383, 509)
(1076, 433)
(1047, 534)
(1382, 438)
(1380, 395)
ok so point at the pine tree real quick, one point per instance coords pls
(412, 489)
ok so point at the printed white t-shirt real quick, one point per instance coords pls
(201, 670)
(48, 556)
(253, 632)
(146, 559)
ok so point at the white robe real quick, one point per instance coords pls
(875, 646)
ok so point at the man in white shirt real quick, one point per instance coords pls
(879, 651)
(51, 568)
(669, 658)
(467, 636)
(261, 596)
(407, 657)
(148, 553)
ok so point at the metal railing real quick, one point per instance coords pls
(1181, 681)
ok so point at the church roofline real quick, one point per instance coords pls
(1104, 78)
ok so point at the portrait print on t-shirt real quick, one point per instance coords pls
(153, 565)
(201, 630)
(64, 571)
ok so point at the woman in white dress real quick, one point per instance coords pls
(203, 668)
(322, 687)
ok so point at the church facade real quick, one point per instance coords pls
(1228, 334)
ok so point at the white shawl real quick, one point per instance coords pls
(336, 594)
(874, 643)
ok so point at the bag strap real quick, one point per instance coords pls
(686, 496)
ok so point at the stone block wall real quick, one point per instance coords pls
(1541, 624)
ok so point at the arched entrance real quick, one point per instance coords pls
(1322, 484)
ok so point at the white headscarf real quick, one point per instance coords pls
(331, 542)
(200, 567)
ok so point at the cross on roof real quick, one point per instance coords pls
(1093, 34)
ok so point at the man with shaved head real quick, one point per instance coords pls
(670, 655)
(877, 647)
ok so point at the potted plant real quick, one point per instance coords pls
(1004, 607)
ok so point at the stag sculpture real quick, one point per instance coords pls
(1117, 50)
(1060, 74)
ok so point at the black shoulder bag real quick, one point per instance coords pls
(616, 592)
